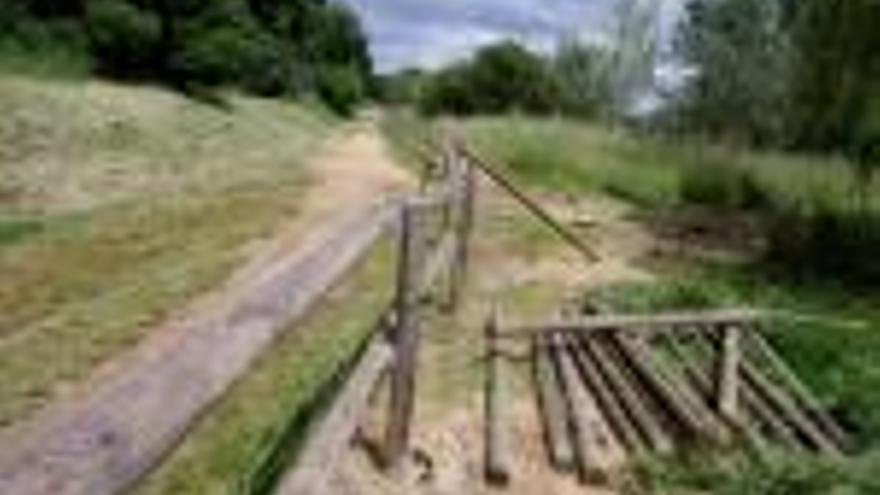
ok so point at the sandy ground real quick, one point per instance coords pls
(448, 443)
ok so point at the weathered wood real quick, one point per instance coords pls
(627, 390)
(599, 453)
(680, 400)
(701, 377)
(639, 323)
(463, 229)
(328, 438)
(404, 338)
(103, 439)
(552, 407)
(790, 411)
(727, 374)
(497, 434)
(802, 392)
(774, 426)
(508, 185)
(608, 402)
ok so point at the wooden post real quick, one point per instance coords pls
(463, 229)
(551, 404)
(727, 374)
(497, 441)
(404, 339)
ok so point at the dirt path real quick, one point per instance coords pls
(529, 272)
(101, 435)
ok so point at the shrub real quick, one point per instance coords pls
(123, 38)
(722, 185)
(225, 54)
(340, 88)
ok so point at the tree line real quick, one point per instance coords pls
(791, 74)
(268, 47)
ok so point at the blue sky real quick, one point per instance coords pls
(430, 33)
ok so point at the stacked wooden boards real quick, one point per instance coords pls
(611, 387)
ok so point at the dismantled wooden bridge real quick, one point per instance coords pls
(612, 386)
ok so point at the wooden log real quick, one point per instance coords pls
(645, 324)
(497, 435)
(404, 339)
(600, 454)
(727, 374)
(627, 389)
(463, 230)
(551, 404)
(701, 377)
(103, 439)
(680, 399)
(328, 438)
(790, 411)
(606, 399)
(508, 185)
(802, 392)
(758, 406)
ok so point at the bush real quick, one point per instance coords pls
(123, 38)
(340, 88)
(226, 54)
(721, 185)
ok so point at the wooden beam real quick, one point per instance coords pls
(552, 407)
(497, 434)
(102, 439)
(508, 185)
(681, 401)
(639, 323)
(727, 374)
(328, 439)
(627, 389)
(607, 400)
(802, 392)
(599, 452)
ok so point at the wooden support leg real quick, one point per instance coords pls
(497, 441)
(463, 229)
(728, 376)
(405, 340)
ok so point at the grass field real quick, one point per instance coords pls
(118, 204)
(800, 200)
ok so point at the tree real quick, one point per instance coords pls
(739, 50)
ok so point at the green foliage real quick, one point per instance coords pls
(270, 47)
(123, 38)
(501, 78)
(340, 88)
(721, 185)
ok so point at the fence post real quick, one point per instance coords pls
(728, 371)
(466, 198)
(404, 338)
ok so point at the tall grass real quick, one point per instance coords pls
(821, 217)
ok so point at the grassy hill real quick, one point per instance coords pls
(118, 204)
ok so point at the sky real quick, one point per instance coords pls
(432, 33)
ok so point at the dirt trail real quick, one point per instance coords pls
(100, 435)
(529, 277)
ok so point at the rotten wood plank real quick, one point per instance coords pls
(328, 439)
(551, 404)
(103, 439)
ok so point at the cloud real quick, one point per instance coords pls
(430, 33)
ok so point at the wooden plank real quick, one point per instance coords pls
(497, 435)
(701, 377)
(607, 400)
(802, 392)
(627, 390)
(551, 404)
(404, 338)
(681, 401)
(790, 411)
(674, 321)
(600, 454)
(102, 439)
(463, 231)
(727, 379)
(508, 185)
(328, 439)
(757, 405)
